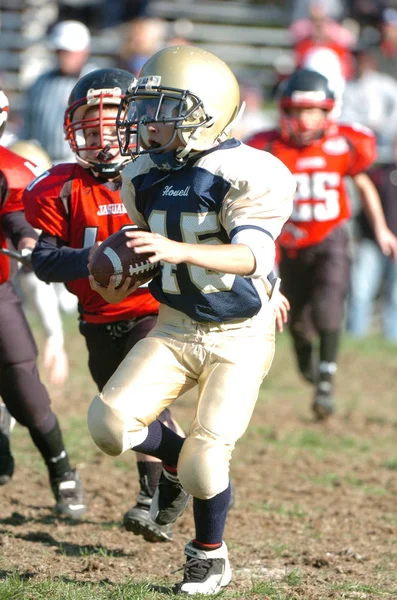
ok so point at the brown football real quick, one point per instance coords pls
(113, 257)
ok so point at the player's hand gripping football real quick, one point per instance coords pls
(162, 248)
(111, 293)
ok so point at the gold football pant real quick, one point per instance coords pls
(227, 362)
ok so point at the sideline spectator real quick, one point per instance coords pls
(373, 272)
(46, 100)
(334, 8)
(141, 38)
(386, 51)
(319, 30)
(370, 99)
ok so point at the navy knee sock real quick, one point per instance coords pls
(210, 519)
(161, 443)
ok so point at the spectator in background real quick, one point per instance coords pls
(141, 38)
(370, 99)
(46, 100)
(372, 270)
(386, 51)
(319, 30)
(335, 9)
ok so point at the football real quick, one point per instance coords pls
(113, 257)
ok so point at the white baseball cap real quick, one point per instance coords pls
(72, 36)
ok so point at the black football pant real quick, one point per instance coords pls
(20, 387)
(315, 280)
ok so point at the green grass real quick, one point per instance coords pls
(21, 588)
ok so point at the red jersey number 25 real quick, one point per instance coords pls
(317, 197)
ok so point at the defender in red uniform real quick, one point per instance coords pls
(23, 393)
(314, 255)
(77, 206)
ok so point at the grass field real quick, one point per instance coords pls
(316, 503)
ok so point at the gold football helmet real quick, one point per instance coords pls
(188, 87)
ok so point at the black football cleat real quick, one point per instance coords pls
(169, 501)
(69, 495)
(323, 403)
(139, 522)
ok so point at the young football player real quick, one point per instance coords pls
(213, 208)
(22, 391)
(77, 206)
(315, 260)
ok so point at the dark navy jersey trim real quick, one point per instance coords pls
(243, 227)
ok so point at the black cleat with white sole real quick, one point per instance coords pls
(138, 521)
(205, 572)
(69, 495)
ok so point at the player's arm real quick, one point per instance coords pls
(372, 207)
(53, 260)
(18, 230)
(236, 259)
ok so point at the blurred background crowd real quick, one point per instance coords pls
(45, 46)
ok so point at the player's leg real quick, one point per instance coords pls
(331, 283)
(228, 390)
(28, 402)
(107, 345)
(296, 276)
(125, 415)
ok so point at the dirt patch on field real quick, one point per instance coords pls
(315, 507)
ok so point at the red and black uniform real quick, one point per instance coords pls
(74, 209)
(20, 387)
(314, 256)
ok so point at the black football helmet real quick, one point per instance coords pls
(99, 88)
(305, 89)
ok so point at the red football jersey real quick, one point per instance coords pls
(321, 202)
(15, 174)
(71, 204)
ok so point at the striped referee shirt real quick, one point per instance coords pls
(44, 107)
